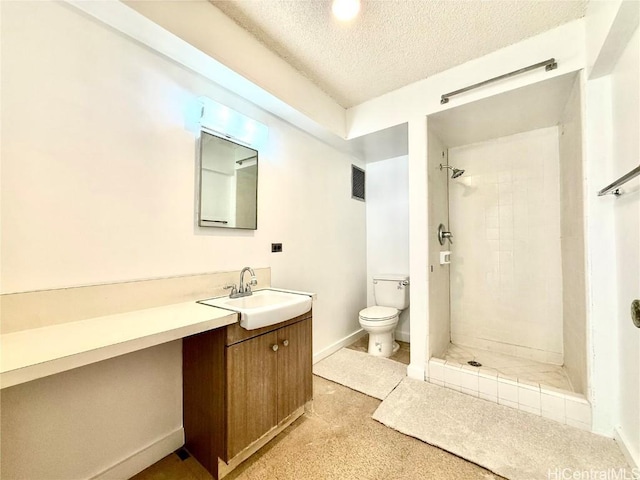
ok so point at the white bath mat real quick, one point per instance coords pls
(511, 443)
(373, 376)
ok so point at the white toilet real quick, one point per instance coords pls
(391, 293)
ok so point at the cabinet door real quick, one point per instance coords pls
(251, 391)
(294, 367)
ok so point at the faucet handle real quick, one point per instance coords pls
(233, 288)
(247, 288)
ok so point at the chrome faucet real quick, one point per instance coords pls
(243, 289)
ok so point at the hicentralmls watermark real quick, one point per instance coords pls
(593, 474)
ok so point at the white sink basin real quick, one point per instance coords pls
(264, 307)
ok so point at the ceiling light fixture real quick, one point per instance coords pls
(345, 10)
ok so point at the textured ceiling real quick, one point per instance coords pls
(392, 43)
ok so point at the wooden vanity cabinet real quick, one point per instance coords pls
(252, 389)
(242, 387)
(295, 382)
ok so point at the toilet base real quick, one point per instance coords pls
(382, 344)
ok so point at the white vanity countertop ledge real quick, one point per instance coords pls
(30, 354)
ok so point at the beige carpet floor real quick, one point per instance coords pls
(512, 443)
(374, 376)
(337, 440)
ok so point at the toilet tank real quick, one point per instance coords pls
(391, 290)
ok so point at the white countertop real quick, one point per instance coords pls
(39, 352)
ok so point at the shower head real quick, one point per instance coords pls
(455, 173)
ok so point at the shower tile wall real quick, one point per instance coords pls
(572, 230)
(506, 267)
(439, 326)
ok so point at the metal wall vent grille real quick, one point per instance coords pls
(357, 183)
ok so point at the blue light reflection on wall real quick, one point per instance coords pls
(227, 121)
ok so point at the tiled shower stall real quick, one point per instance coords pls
(507, 316)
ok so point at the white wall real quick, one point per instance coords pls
(625, 154)
(610, 25)
(602, 332)
(572, 241)
(506, 271)
(611, 141)
(418, 246)
(387, 203)
(439, 302)
(257, 73)
(75, 424)
(98, 186)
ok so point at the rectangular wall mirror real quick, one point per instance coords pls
(228, 184)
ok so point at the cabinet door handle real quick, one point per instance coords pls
(285, 343)
(274, 348)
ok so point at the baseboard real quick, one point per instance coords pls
(144, 458)
(348, 340)
(403, 336)
(624, 446)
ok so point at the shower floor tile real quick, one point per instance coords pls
(521, 368)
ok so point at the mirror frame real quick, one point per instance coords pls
(199, 145)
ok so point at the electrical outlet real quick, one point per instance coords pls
(276, 247)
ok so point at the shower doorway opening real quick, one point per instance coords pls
(507, 308)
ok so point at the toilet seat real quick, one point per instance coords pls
(378, 313)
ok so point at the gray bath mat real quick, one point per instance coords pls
(373, 376)
(511, 443)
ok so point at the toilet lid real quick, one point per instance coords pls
(378, 313)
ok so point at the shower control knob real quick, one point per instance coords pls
(444, 235)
